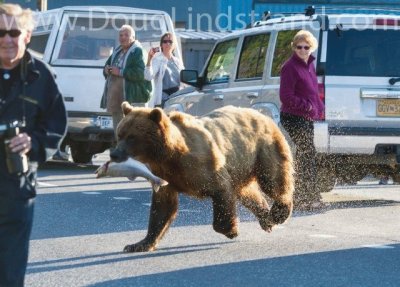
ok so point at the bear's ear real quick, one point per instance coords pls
(126, 108)
(156, 115)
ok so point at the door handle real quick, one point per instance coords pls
(252, 95)
(219, 97)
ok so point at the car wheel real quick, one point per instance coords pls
(350, 173)
(80, 154)
(396, 177)
(326, 179)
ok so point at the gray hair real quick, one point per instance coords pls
(306, 36)
(129, 28)
(23, 17)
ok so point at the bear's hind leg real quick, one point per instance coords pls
(164, 206)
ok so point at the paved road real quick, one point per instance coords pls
(82, 224)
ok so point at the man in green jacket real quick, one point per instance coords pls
(124, 72)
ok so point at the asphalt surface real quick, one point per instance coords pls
(82, 224)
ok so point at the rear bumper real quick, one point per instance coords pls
(93, 134)
(359, 144)
(357, 141)
(86, 129)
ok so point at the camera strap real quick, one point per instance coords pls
(19, 91)
(24, 76)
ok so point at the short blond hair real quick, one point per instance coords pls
(23, 17)
(305, 36)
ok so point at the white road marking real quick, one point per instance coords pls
(41, 183)
(91, 192)
(179, 210)
(322, 236)
(189, 210)
(378, 246)
(122, 198)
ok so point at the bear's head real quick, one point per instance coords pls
(142, 134)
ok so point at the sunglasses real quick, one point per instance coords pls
(303, 47)
(13, 33)
(167, 41)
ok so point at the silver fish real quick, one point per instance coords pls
(131, 169)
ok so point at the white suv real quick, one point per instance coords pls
(358, 68)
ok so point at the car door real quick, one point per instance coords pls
(235, 76)
(217, 76)
(245, 88)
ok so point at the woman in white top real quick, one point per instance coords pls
(164, 68)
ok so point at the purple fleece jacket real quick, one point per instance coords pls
(299, 89)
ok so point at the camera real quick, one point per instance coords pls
(16, 163)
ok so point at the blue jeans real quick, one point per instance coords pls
(16, 218)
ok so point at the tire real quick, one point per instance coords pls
(326, 179)
(80, 154)
(350, 173)
(396, 175)
(396, 178)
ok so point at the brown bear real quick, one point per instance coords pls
(219, 155)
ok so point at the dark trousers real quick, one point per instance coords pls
(16, 218)
(301, 131)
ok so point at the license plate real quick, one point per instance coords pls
(388, 108)
(104, 122)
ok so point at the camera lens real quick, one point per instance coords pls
(16, 163)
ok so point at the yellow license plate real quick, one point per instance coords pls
(388, 108)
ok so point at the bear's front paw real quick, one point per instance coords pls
(266, 223)
(139, 247)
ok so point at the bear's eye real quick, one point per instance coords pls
(130, 139)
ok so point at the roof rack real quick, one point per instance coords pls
(309, 11)
(267, 15)
(324, 10)
(312, 10)
(349, 8)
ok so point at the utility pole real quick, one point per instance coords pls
(41, 5)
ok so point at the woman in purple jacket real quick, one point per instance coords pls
(301, 106)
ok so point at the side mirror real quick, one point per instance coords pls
(191, 77)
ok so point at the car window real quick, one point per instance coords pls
(363, 53)
(282, 51)
(93, 39)
(252, 57)
(39, 41)
(220, 65)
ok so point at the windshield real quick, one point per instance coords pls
(90, 40)
(372, 53)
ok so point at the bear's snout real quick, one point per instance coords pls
(118, 155)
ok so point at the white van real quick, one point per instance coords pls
(358, 68)
(76, 42)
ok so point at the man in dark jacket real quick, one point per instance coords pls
(32, 123)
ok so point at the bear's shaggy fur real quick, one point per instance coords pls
(220, 155)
